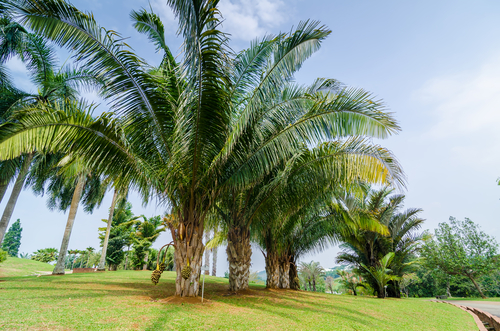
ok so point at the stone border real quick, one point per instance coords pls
(475, 312)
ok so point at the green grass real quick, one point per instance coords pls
(14, 267)
(126, 300)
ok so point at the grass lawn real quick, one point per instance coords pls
(126, 300)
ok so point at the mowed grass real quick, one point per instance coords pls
(126, 300)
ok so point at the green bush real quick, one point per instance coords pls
(3, 255)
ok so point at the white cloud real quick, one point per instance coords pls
(465, 103)
(243, 19)
(466, 112)
(167, 16)
(246, 20)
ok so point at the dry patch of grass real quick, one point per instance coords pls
(126, 300)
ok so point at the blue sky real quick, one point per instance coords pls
(436, 64)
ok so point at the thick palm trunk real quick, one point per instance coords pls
(239, 253)
(272, 270)
(214, 261)
(188, 253)
(294, 276)
(102, 262)
(207, 253)
(59, 269)
(11, 204)
(284, 273)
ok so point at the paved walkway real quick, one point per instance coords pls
(492, 307)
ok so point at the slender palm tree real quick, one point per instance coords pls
(210, 126)
(52, 83)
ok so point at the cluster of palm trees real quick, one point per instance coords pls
(381, 256)
(225, 140)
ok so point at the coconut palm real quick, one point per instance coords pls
(212, 125)
(52, 83)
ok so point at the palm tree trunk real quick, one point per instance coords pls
(207, 253)
(284, 268)
(126, 258)
(18, 186)
(214, 261)
(3, 189)
(102, 262)
(272, 270)
(239, 253)
(294, 275)
(145, 265)
(314, 284)
(59, 269)
(188, 250)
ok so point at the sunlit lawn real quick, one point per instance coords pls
(126, 300)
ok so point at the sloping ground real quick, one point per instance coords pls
(13, 267)
(127, 300)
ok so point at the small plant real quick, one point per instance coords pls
(3, 255)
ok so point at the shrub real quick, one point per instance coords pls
(3, 255)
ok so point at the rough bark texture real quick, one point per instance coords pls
(102, 262)
(207, 253)
(284, 273)
(272, 270)
(214, 261)
(189, 249)
(239, 253)
(294, 275)
(11, 204)
(59, 269)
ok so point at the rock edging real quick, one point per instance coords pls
(479, 316)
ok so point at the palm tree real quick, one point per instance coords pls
(145, 234)
(311, 272)
(52, 84)
(193, 132)
(70, 184)
(366, 247)
(381, 273)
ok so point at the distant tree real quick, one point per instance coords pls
(25, 256)
(329, 282)
(45, 255)
(350, 281)
(12, 240)
(311, 273)
(461, 248)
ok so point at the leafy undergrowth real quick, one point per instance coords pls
(126, 300)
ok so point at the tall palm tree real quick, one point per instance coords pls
(191, 132)
(52, 84)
